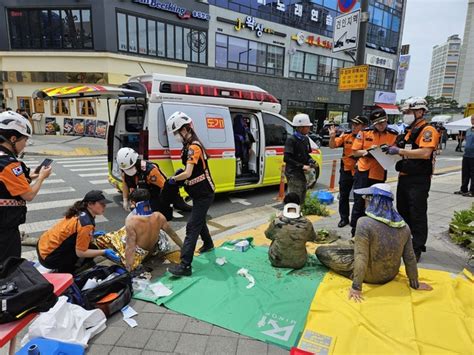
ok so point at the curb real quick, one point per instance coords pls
(78, 152)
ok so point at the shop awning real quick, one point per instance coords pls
(82, 91)
(390, 109)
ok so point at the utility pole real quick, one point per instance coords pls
(357, 96)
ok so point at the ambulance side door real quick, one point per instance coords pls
(276, 130)
(213, 125)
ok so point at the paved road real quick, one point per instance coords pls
(73, 177)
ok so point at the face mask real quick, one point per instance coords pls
(130, 172)
(409, 118)
(179, 138)
(143, 208)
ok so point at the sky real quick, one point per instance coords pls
(428, 23)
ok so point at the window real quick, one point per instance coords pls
(336, 64)
(50, 28)
(276, 130)
(145, 36)
(324, 68)
(60, 107)
(380, 78)
(86, 107)
(24, 104)
(310, 66)
(242, 54)
(314, 67)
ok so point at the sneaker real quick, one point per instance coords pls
(181, 205)
(179, 270)
(459, 192)
(468, 194)
(205, 248)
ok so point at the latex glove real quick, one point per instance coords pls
(393, 150)
(111, 255)
(125, 205)
(98, 233)
(179, 171)
(172, 181)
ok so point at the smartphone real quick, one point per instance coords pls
(47, 162)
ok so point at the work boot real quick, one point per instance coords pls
(179, 270)
(179, 204)
(342, 223)
(205, 248)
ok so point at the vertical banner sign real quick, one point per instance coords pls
(346, 31)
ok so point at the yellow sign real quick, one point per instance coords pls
(354, 78)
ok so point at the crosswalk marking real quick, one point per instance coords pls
(90, 169)
(30, 162)
(53, 181)
(37, 206)
(65, 160)
(85, 164)
(99, 182)
(56, 190)
(110, 191)
(35, 227)
(106, 173)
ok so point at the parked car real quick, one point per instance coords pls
(316, 138)
(324, 133)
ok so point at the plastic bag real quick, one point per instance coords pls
(67, 322)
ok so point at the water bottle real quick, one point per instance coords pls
(33, 350)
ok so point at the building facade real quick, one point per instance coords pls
(283, 46)
(444, 68)
(465, 83)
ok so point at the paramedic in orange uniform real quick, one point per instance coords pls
(15, 178)
(368, 170)
(347, 170)
(418, 148)
(199, 186)
(68, 240)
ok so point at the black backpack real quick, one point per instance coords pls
(89, 299)
(23, 290)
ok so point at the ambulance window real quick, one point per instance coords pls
(276, 130)
(162, 136)
(133, 123)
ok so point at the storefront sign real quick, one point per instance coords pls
(251, 23)
(316, 15)
(346, 31)
(385, 97)
(182, 12)
(379, 61)
(402, 71)
(354, 78)
(311, 40)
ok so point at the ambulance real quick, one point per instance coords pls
(220, 110)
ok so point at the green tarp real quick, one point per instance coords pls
(274, 310)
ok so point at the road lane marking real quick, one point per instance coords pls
(56, 190)
(37, 206)
(85, 164)
(91, 169)
(99, 182)
(35, 227)
(53, 181)
(105, 173)
(65, 160)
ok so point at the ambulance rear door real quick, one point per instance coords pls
(213, 125)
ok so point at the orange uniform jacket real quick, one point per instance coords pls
(365, 140)
(346, 140)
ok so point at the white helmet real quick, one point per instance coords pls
(301, 120)
(126, 158)
(13, 121)
(177, 120)
(415, 103)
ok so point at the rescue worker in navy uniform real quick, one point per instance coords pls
(15, 179)
(368, 169)
(138, 173)
(418, 148)
(296, 156)
(348, 162)
(198, 184)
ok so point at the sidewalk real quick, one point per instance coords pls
(68, 146)
(161, 331)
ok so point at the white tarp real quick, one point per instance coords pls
(460, 125)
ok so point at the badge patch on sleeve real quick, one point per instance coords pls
(17, 171)
(427, 136)
(153, 178)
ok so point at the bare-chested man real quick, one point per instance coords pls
(142, 234)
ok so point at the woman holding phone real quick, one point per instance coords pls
(15, 179)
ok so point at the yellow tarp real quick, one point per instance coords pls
(393, 319)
